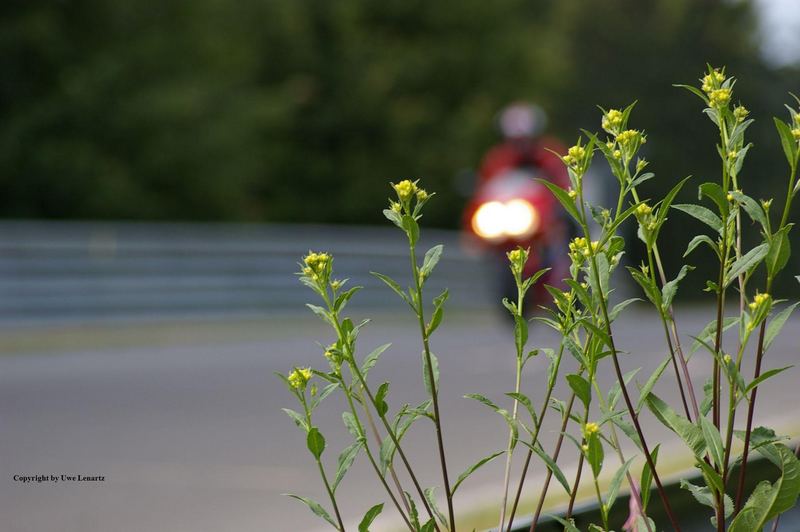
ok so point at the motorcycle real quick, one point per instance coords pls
(512, 209)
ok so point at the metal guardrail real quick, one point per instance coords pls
(91, 270)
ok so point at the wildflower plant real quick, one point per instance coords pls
(593, 419)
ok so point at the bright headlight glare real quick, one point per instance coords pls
(515, 218)
(521, 218)
(489, 220)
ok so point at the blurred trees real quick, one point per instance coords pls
(302, 110)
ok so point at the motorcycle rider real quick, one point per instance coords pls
(523, 146)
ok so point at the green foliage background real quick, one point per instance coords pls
(270, 110)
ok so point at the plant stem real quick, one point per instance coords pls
(534, 440)
(327, 484)
(677, 340)
(624, 388)
(760, 352)
(556, 452)
(574, 491)
(510, 450)
(434, 392)
(372, 461)
(350, 357)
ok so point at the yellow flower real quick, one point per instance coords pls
(712, 80)
(629, 136)
(740, 112)
(726, 358)
(591, 428)
(733, 154)
(729, 197)
(315, 263)
(515, 255)
(576, 153)
(719, 97)
(396, 207)
(612, 120)
(643, 209)
(299, 378)
(617, 154)
(758, 300)
(422, 195)
(796, 133)
(571, 193)
(405, 189)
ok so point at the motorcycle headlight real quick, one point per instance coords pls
(515, 218)
(489, 220)
(522, 219)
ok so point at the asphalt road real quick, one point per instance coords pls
(183, 419)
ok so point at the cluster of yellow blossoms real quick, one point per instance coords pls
(316, 264)
(740, 112)
(580, 247)
(712, 81)
(298, 379)
(630, 136)
(591, 428)
(759, 300)
(719, 97)
(612, 120)
(575, 155)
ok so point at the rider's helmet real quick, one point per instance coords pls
(521, 120)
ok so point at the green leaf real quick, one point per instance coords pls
(346, 459)
(551, 465)
(706, 403)
(711, 330)
(619, 307)
(520, 333)
(471, 469)
(769, 500)
(650, 289)
(438, 311)
(432, 257)
(702, 214)
(315, 507)
(351, 424)
(581, 388)
(595, 454)
(369, 517)
(371, 359)
(704, 496)
(788, 142)
(393, 217)
(616, 480)
(746, 263)
(344, 297)
(525, 401)
(615, 390)
(429, 526)
(298, 419)
(411, 228)
(701, 239)
(713, 440)
(321, 312)
(764, 376)
(695, 91)
(426, 373)
(380, 399)
(563, 198)
(647, 477)
(651, 381)
(315, 442)
(716, 194)
(430, 496)
(690, 433)
(753, 209)
(777, 324)
(665, 204)
(671, 288)
(391, 283)
(779, 251)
